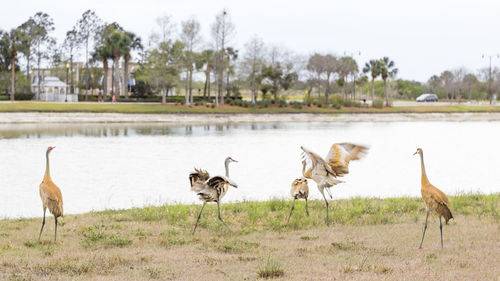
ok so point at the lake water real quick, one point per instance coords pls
(99, 166)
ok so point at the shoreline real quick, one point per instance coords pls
(235, 118)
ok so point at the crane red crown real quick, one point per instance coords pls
(50, 147)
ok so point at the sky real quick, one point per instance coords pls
(423, 37)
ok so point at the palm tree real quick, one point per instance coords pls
(12, 42)
(134, 43)
(117, 42)
(372, 66)
(207, 58)
(387, 70)
(102, 54)
(231, 55)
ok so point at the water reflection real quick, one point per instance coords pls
(9, 131)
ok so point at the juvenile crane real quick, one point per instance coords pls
(300, 190)
(211, 189)
(325, 171)
(435, 200)
(51, 196)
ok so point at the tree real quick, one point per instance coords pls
(190, 36)
(134, 44)
(347, 66)
(434, 85)
(361, 81)
(164, 32)
(231, 55)
(223, 31)
(102, 52)
(162, 67)
(387, 70)
(447, 78)
(12, 43)
(372, 67)
(316, 65)
(252, 64)
(87, 25)
(71, 44)
(331, 66)
(458, 83)
(31, 33)
(42, 42)
(207, 59)
(279, 72)
(116, 41)
(470, 80)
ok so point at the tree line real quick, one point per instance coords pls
(179, 57)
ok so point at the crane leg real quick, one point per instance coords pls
(326, 202)
(307, 211)
(293, 206)
(425, 228)
(43, 223)
(199, 216)
(220, 218)
(441, 229)
(55, 233)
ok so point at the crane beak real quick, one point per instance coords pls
(234, 160)
(415, 152)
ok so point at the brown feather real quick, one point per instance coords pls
(51, 197)
(341, 154)
(300, 189)
(436, 201)
(198, 175)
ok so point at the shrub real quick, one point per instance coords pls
(296, 105)
(336, 101)
(378, 104)
(264, 103)
(272, 269)
(282, 102)
(352, 103)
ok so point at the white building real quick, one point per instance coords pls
(52, 89)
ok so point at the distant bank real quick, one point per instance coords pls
(224, 118)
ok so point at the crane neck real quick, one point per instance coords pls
(226, 164)
(304, 168)
(425, 180)
(47, 166)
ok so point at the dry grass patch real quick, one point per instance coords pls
(272, 269)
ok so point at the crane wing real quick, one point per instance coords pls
(52, 197)
(320, 168)
(341, 154)
(440, 203)
(198, 175)
(355, 151)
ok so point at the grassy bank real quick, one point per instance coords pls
(170, 108)
(369, 239)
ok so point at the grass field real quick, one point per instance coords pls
(370, 239)
(171, 108)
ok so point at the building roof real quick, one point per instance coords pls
(51, 81)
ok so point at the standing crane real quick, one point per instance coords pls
(435, 200)
(336, 164)
(211, 189)
(51, 195)
(300, 190)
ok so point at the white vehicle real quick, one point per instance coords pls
(427, 98)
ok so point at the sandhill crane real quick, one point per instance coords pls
(325, 171)
(51, 196)
(300, 190)
(211, 189)
(435, 200)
